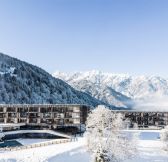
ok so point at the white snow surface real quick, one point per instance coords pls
(26, 142)
(149, 150)
(48, 153)
(8, 71)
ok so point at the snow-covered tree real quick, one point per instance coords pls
(105, 138)
(164, 137)
(23, 83)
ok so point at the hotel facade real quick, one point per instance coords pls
(57, 116)
(145, 119)
(51, 116)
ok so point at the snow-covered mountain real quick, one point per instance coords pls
(92, 83)
(21, 82)
(117, 89)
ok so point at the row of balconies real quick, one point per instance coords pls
(40, 110)
(39, 121)
(41, 115)
(147, 114)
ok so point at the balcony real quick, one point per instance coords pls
(59, 115)
(11, 109)
(1, 120)
(33, 115)
(76, 121)
(12, 115)
(68, 121)
(58, 122)
(75, 115)
(2, 115)
(32, 120)
(33, 109)
(22, 120)
(45, 110)
(23, 110)
(47, 115)
(11, 120)
(76, 109)
(23, 115)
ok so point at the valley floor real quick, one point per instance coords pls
(149, 150)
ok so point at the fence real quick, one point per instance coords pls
(35, 145)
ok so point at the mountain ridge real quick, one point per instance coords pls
(24, 83)
(130, 87)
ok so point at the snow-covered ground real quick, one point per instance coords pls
(26, 142)
(149, 150)
(47, 153)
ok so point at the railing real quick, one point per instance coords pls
(147, 128)
(36, 145)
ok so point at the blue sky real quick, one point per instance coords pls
(120, 36)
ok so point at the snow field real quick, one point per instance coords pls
(149, 150)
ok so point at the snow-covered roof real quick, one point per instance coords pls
(40, 105)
